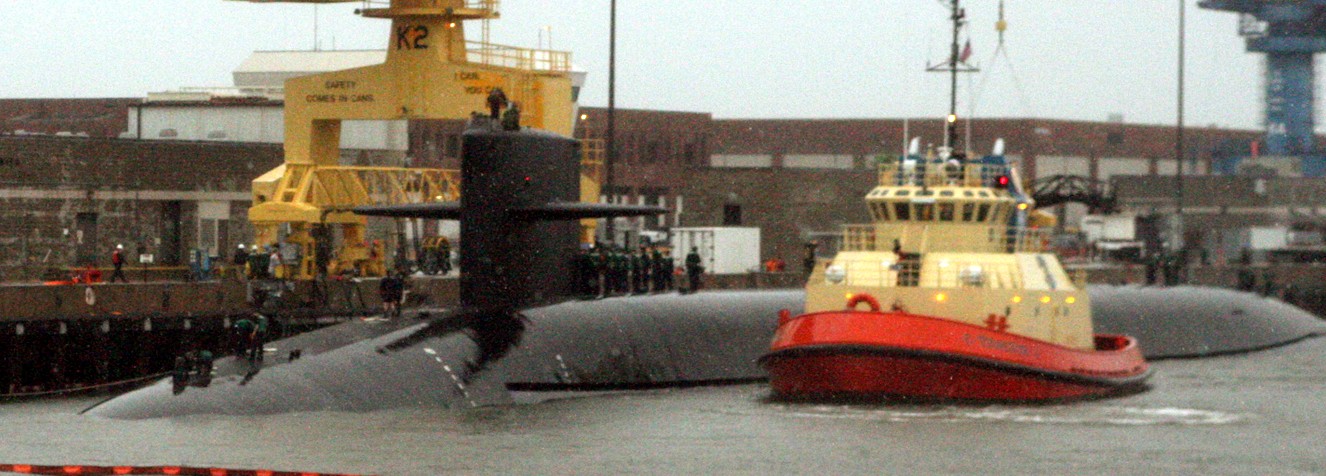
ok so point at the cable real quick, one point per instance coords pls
(1000, 49)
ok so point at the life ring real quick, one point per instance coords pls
(859, 298)
(89, 296)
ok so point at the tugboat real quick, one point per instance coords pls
(962, 301)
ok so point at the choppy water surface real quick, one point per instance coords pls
(1262, 413)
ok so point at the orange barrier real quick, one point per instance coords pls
(166, 470)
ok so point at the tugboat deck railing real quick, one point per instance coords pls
(958, 238)
(931, 173)
(907, 273)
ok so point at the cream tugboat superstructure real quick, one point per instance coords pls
(948, 294)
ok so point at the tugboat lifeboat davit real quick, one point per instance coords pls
(947, 295)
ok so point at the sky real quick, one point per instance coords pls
(1065, 59)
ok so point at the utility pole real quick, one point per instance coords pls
(1178, 139)
(1179, 252)
(611, 157)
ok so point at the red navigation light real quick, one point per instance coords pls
(1002, 181)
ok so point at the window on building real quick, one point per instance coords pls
(654, 152)
(207, 235)
(453, 145)
(1114, 138)
(731, 215)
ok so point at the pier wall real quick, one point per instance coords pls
(56, 339)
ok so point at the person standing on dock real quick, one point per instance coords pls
(662, 271)
(241, 261)
(693, 269)
(117, 260)
(259, 337)
(243, 336)
(392, 290)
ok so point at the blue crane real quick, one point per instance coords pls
(1289, 33)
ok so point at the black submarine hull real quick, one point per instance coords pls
(623, 343)
(653, 341)
(1197, 321)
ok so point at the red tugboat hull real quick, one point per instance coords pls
(899, 356)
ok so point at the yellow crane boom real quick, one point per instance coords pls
(431, 72)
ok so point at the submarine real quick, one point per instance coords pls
(519, 334)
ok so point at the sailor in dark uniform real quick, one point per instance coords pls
(496, 101)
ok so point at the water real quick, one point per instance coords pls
(1261, 413)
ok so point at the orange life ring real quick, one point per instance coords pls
(863, 297)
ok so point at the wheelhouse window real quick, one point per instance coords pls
(879, 211)
(902, 210)
(946, 211)
(925, 212)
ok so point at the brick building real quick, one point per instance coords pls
(65, 117)
(796, 179)
(68, 200)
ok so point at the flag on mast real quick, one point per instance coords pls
(966, 52)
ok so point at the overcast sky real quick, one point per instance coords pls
(1067, 59)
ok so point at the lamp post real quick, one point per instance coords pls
(611, 140)
(1179, 153)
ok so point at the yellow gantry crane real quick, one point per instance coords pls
(431, 72)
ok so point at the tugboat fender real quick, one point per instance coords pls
(859, 298)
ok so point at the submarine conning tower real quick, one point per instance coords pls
(509, 258)
(519, 204)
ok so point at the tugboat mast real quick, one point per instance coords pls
(956, 64)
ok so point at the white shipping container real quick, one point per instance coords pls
(1109, 227)
(1268, 238)
(722, 250)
